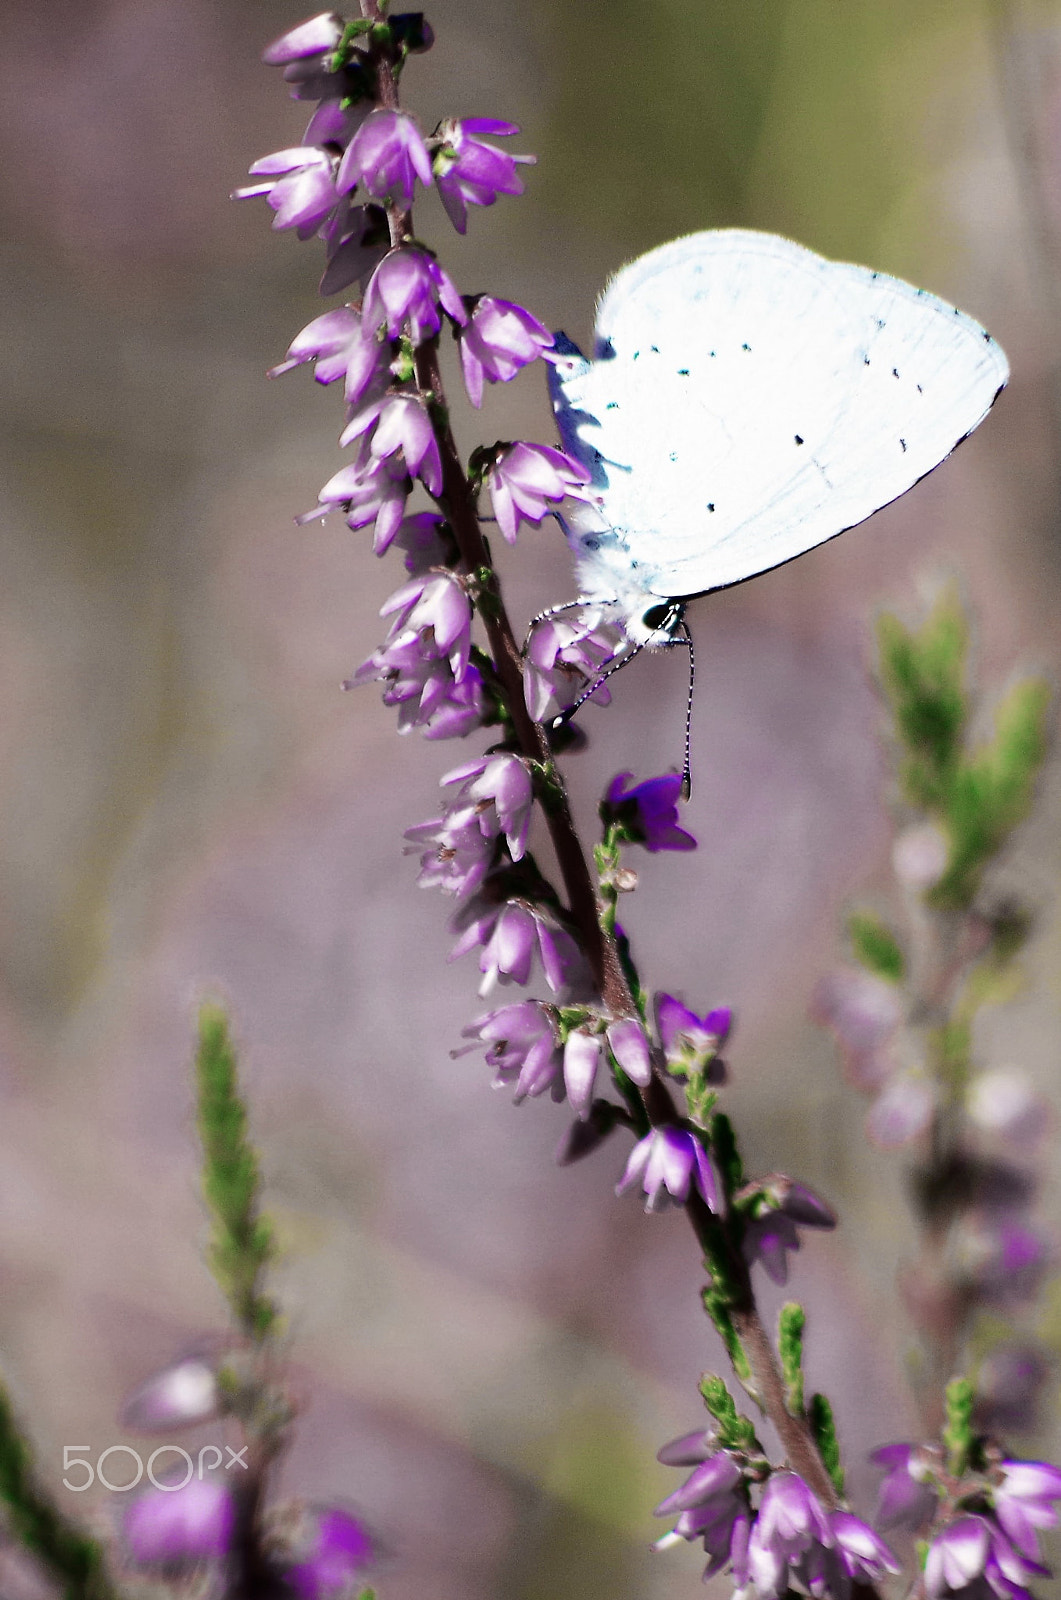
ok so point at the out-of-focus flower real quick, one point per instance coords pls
(864, 1012)
(370, 489)
(974, 1548)
(526, 479)
(386, 156)
(1009, 1382)
(498, 339)
(356, 239)
(667, 1162)
(314, 37)
(792, 1523)
(409, 286)
(563, 656)
(336, 343)
(778, 1207)
(340, 1552)
(647, 813)
(424, 689)
(426, 540)
(1023, 1502)
(435, 607)
(299, 187)
(509, 935)
(691, 1043)
(471, 172)
(903, 1110)
(180, 1527)
(919, 856)
(997, 1253)
(1004, 1103)
(909, 1490)
(498, 789)
(460, 855)
(522, 1046)
(399, 424)
(180, 1395)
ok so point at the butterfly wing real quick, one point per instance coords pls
(749, 400)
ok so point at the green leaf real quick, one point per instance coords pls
(875, 946)
(726, 1152)
(992, 791)
(791, 1323)
(735, 1431)
(242, 1242)
(72, 1558)
(823, 1427)
(923, 677)
(958, 1433)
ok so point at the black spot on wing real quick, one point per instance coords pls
(799, 438)
(683, 372)
(903, 443)
(746, 347)
(711, 505)
(613, 405)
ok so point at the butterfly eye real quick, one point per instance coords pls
(658, 616)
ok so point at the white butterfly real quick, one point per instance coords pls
(748, 400)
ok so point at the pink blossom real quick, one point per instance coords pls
(315, 37)
(499, 790)
(336, 343)
(667, 1163)
(498, 340)
(470, 171)
(370, 489)
(563, 657)
(386, 156)
(399, 423)
(409, 286)
(424, 688)
(526, 479)
(435, 607)
(522, 1046)
(508, 936)
(299, 187)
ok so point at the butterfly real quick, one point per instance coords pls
(747, 400)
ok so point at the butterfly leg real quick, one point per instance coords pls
(684, 637)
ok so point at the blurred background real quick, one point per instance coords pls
(490, 1351)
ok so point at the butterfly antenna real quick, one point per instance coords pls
(687, 769)
(602, 677)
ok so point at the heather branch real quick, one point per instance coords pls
(736, 1312)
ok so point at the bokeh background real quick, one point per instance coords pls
(489, 1350)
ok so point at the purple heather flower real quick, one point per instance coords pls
(409, 285)
(628, 1043)
(336, 343)
(498, 788)
(356, 239)
(471, 172)
(370, 489)
(460, 856)
(667, 1162)
(794, 1536)
(386, 156)
(778, 1205)
(335, 121)
(582, 1058)
(562, 658)
(712, 1506)
(313, 38)
(498, 339)
(525, 478)
(180, 1395)
(424, 689)
(648, 813)
(688, 1449)
(691, 1043)
(522, 1047)
(909, 1489)
(1022, 1502)
(340, 1550)
(902, 1111)
(920, 855)
(509, 934)
(974, 1548)
(427, 541)
(180, 1527)
(299, 187)
(435, 607)
(399, 423)
(1004, 1105)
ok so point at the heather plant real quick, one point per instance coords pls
(640, 1071)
